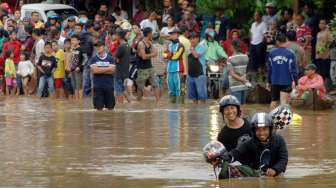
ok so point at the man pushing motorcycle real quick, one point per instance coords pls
(267, 150)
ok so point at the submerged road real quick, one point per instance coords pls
(46, 143)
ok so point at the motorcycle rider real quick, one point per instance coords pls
(264, 139)
(214, 52)
(236, 128)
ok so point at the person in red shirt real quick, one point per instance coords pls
(111, 42)
(304, 37)
(14, 46)
(233, 35)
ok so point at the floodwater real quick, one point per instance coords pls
(46, 143)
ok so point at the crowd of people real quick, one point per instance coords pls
(112, 55)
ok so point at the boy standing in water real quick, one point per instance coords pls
(159, 67)
(174, 65)
(76, 66)
(47, 65)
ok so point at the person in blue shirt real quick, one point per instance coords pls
(103, 68)
(282, 72)
(174, 65)
(196, 79)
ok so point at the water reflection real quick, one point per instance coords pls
(67, 144)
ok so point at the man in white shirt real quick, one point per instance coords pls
(151, 23)
(257, 47)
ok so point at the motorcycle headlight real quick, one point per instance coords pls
(214, 68)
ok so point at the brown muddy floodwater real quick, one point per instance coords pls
(47, 143)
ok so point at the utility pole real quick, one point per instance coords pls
(296, 6)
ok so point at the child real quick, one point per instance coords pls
(10, 73)
(76, 66)
(25, 70)
(159, 67)
(68, 89)
(59, 72)
(47, 65)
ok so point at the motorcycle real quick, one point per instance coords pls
(214, 73)
(225, 168)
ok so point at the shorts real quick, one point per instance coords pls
(119, 85)
(323, 67)
(197, 88)
(67, 86)
(10, 81)
(276, 89)
(158, 81)
(103, 98)
(143, 76)
(58, 82)
(76, 80)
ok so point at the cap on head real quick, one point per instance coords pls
(311, 67)
(52, 15)
(269, 5)
(72, 19)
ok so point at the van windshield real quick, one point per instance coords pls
(64, 13)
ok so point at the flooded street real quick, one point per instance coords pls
(46, 143)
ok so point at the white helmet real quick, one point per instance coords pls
(213, 150)
(281, 116)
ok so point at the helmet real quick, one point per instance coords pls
(228, 100)
(126, 25)
(281, 116)
(213, 150)
(52, 15)
(261, 119)
(211, 33)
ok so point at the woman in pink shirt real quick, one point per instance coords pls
(310, 81)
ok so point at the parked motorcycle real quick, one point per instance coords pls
(214, 75)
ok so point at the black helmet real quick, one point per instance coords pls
(229, 100)
(261, 119)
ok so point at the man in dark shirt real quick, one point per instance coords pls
(103, 68)
(145, 68)
(236, 129)
(47, 65)
(122, 67)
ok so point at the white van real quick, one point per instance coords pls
(63, 11)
